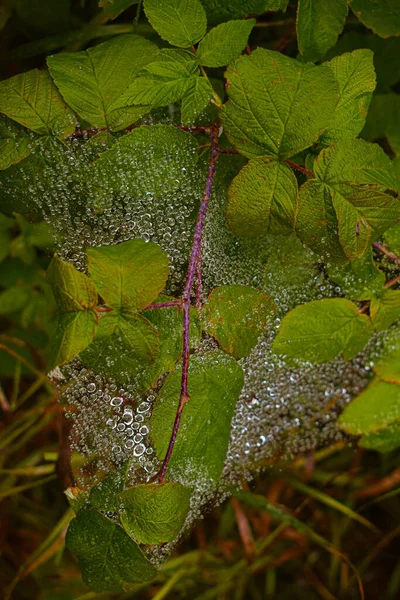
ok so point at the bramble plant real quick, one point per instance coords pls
(227, 239)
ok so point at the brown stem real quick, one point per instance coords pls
(299, 168)
(213, 132)
(386, 252)
(392, 282)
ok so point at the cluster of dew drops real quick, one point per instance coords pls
(280, 411)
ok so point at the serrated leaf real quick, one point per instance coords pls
(73, 291)
(321, 330)
(107, 555)
(113, 8)
(129, 275)
(104, 495)
(262, 198)
(163, 81)
(75, 331)
(237, 315)
(359, 280)
(181, 22)
(340, 210)
(203, 438)
(318, 26)
(382, 17)
(141, 162)
(385, 310)
(169, 324)
(33, 100)
(14, 143)
(154, 513)
(290, 264)
(385, 440)
(224, 43)
(375, 408)
(195, 100)
(355, 75)
(92, 81)
(124, 343)
(218, 11)
(277, 104)
(388, 367)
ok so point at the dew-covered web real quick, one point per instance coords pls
(154, 194)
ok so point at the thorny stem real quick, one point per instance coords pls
(213, 132)
(299, 168)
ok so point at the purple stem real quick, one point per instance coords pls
(387, 253)
(299, 168)
(199, 284)
(193, 262)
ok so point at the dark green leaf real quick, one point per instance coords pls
(14, 299)
(113, 8)
(218, 11)
(162, 82)
(181, 22)
(382, 17)
(262, 198)
(104, 495)
(237, 315)
(384, 120)
(359, 280)
(355, 75)
(129, 275)
(14, 143)
(107, 555)
(92, 81)
(385, 440)
(318, 26)
(75, 331)
(203, 438)
(224, 43)
(321, 330)
(33, 100)
(154, 513)
(277, 104)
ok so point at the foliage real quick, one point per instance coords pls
(145, 122)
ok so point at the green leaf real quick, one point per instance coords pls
(113, 8)
(92, 81)
(14, 143)
(318, 26)
(388, 367)
(104, 495)
(392, 238)
(385, 310)
(107, 555)
(375, 408)
(129, 275)
(33, 100)
(73, 291)
(384, 120)
(236, 315)
(355, 75)
(218, 11)
(277, 104)
(142, 163)
(75, 331)
(123, 342)
(290, 264)
(4, 244)
(262, 198)
(181, 22)
(382, 17)
(195, 100)
(203, 438)
(224, 43)
(154, 513)
(14, 299)
(168, 322)
(359, 280)
(385, 440)
(340, 210)
(321, 330)
(162, 82)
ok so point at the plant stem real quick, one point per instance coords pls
(299, 168)
(212, 131)
(389, 254)
(164, 304)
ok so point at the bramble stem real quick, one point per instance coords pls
(392, 282)
(299, 168)
(164, 304)
(389, 254)
(212, 131)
